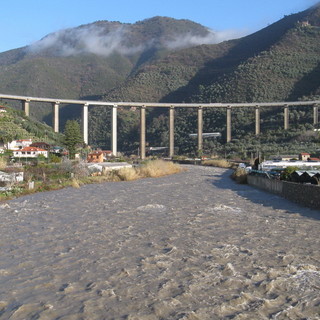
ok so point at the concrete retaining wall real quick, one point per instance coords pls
(273, 186)
(304, 194)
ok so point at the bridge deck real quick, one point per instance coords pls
(160, 105)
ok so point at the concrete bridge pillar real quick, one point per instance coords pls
(200, 128)
(85, 123)
(257, 120)
(26, 107)
(315, 114)
(228, 123)
(55, 116)
(286, 117)
(114, 130)
(142, 132)
(171, 132)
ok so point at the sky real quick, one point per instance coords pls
(24, 22)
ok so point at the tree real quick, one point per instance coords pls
(72, 137)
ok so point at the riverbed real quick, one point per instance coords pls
(193, 245)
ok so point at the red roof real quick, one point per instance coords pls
(32, 149)
(305, 154)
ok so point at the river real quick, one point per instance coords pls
(190, 246)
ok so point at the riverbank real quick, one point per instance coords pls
(75, 174)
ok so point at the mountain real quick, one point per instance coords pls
(280, 62)
(168, 60)
(87, 61)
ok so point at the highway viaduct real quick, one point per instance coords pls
(170, 106)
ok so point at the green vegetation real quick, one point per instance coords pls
(285, 174)
(15, 125)
(72, 137)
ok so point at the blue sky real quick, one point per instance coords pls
(26, 21)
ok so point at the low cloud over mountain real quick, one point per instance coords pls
(104, 38)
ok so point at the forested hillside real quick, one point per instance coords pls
(16, 125)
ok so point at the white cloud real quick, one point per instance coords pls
(90, 39)
(212, 37)
(96, 40)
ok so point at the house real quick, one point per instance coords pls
(284, 157)
(41, 145)
(19, 144)
(304, 156)
(3, 109)
(30, 152)
(96, 156)
(99, 156)
(56, 149)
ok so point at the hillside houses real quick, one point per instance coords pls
(26, 148)
(30, 152)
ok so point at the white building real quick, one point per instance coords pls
(30, 152)
(19, 144)
(271, 165)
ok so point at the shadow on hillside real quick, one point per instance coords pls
(262, 197)
(308, 85)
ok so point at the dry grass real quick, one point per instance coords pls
(151, 169)
(240, 175)
(75, 183)
(158, 168)
(3, 163)
(128, 174)
(222, 163)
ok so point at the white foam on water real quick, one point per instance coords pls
(152, 208)
(221, 208)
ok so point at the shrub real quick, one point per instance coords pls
(240, 175)
(75, 183)
(54, 158)
(285, 174)
(80, 169)
(128, 174)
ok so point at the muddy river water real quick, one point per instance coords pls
(188, 246)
